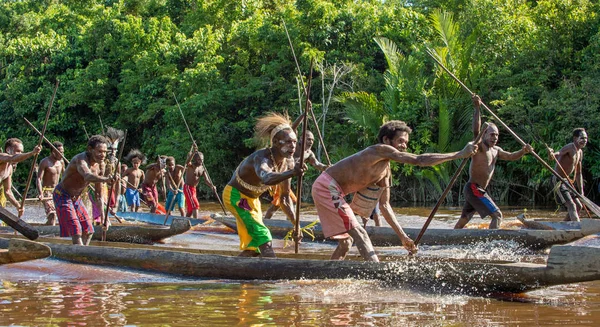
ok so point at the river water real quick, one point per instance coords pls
(50, 292)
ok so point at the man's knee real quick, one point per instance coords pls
(345, 244)
(462, 222)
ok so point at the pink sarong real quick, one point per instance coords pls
(334, 212)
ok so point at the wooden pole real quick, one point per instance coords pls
(462, 165)
(306, 93)
(194, 143)
(36, 155)
(112, 188)
(591, 205)
(301, 162)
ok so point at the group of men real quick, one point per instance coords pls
(62, 186)
(366, 174)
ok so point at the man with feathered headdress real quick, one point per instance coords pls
(114, 137)
(262, 169)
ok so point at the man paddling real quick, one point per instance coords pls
(174, 184)
(154, 172)
(195, 170)
(368, 172)
(262, 169)
(481, 170)
(49, 171)
(85, 168)
(569, 160)
(309, 157)
(13, 154)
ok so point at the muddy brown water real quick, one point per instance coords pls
(50, 292)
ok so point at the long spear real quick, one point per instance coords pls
(449, 186)
(591, 205)
(306, 91)
(203, 166)
(36, 155)
(112, 188)
(302, 148)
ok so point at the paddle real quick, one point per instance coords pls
(112, 188)
(591, 205)
(194, 143)
(36, 155)
(306, 94)
(18, 224)
(301, 162)
(462, 165)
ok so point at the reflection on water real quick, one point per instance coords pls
(54, 293)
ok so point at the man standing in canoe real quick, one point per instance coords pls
(310, 157)
(85, 168)
(368, 173)
(154, 172)
(133, 176)
(262, 169)
(481, 170)
(195, 170)
(13, 154)
(49, 171)
(570, 159)
(174, 185)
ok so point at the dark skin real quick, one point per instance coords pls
(49, 171)
(133, 176)
(372, 166)
(195, 170)
(570, 159)
(14, 154)
(174, 181)
(483, 163)
(84, 169)
(271, 166)
(154, 173)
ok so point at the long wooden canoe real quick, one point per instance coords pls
(566, 264)
(20, 250)
(157, 219)
(128, 234)
(18, 224)
(385, 236)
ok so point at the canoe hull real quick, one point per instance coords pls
(385, 236)
(430, 274)
(157, 219)
(20, 250)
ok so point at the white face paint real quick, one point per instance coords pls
(287, 144)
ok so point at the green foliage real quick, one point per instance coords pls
(536, 63)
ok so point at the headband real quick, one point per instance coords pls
(278, 129)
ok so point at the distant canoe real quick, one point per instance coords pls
(157, 219)
(20, 250)
(127, 233)
(566, 264)
(385, 236)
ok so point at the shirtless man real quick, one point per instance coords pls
(133, 176)
(194, 171)
(49, 171)
(84, 168)
(254, 175)
(154, 172)
(13, 153)
(175, 185)
(481, 170)
(310, 157)
(369, 169)
(570, 158)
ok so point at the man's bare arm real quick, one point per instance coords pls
(313, 161)
(427, 159)
(268, 176)
(7, 184)
(511, 156)
(84, 170)
(286, 203)
(15, 158)
(476, 115)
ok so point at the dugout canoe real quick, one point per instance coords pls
(157, 219)
(127, 233)
(18, 224)
(20, 250)
(565, 264)
(385, 236)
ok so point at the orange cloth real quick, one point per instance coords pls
(277, 195)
